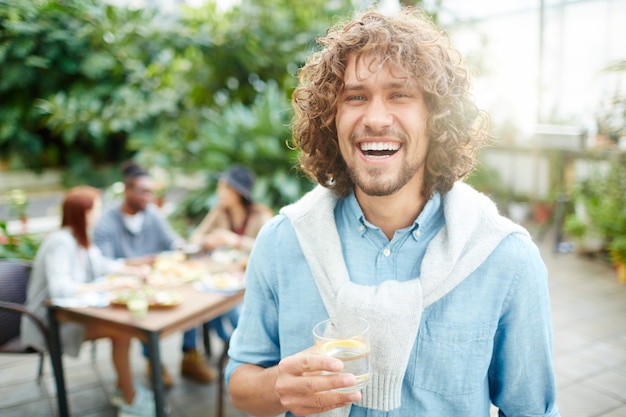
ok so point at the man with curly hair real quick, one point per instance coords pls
(455, 294)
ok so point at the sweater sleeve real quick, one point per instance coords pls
(60, 263)
(102, 265)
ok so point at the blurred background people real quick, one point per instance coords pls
(233, 222)
(136, 228)
(66, 265)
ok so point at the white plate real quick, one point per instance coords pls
(225, 282)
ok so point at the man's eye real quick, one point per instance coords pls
(355, 98)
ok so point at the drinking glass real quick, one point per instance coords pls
(348, 340)
(138, 307)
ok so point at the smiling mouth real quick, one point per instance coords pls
(379, 150)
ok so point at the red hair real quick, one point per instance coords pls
(77, 202)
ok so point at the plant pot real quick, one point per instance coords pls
(621, 272)
(542, 212)
(24, 222)
(591, 243)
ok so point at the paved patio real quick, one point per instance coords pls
(589, 312)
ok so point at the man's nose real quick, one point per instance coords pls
(377, 115)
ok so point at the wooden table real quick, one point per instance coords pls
(198, 307)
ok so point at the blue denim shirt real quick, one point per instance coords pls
(487, 341)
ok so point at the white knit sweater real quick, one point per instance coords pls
(473, 228)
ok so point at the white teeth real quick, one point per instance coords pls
(380, 146)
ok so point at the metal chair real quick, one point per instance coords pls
(14, 276)
(221, 388)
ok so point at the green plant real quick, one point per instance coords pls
(255, 136)
(610, 214)
(575, 227)
(611, 113)
(58, 58)
(617, 250)
(17, 247)
(80, 77)
(600, 204)
(586, 197)
(487, 180)
(18, 203)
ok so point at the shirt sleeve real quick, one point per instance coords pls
(169, 238)
(103, 237)
(255, 340)
(521, 375)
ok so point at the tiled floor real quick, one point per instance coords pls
(90, 379)
(589, 312)
(589, 316)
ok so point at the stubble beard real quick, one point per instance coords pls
(135, 207)
(370, 179)
(370, 182)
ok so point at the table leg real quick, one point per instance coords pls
(157, 379)
(206, 338)
(57, 363)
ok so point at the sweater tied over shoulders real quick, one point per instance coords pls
(473, 229)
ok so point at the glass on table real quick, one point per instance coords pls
(138, 306)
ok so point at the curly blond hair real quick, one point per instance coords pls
(410, 41)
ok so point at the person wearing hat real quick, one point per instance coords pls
(235, 220)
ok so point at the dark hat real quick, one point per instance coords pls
(241, 179)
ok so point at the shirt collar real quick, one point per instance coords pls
(427, 217)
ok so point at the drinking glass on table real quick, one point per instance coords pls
(138, 306)
(348, 340)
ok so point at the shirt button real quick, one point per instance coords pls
(387, 251)
(361, 228)
(417, 234)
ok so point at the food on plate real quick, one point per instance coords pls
(154, 297)
(224, 281)
(121, 281)
(170, 271)
(229, 256)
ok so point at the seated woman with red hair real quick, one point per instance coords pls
(66, 265)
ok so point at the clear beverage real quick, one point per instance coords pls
(355, 356)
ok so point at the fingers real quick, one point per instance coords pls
(319, 402)
(305, 387)
(309, 361)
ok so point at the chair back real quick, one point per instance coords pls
(14, 276)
